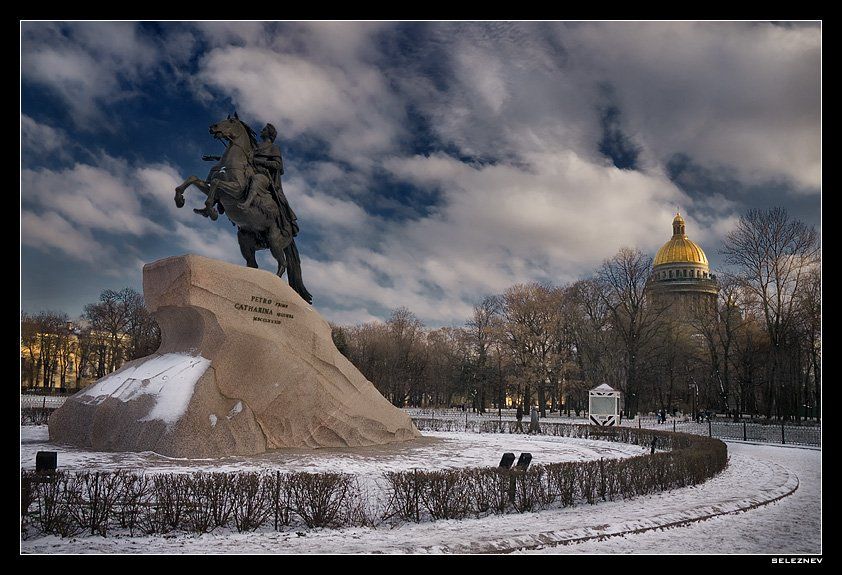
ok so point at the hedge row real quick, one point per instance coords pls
(453, 494)
(35, 415)
(69, 504)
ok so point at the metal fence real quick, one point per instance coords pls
(491, 422)
(42, 401)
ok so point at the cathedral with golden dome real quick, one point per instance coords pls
(680, 271)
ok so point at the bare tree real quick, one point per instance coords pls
(810, 314)
(773, 255)
(67, 350)
(111, 316)
(51, 327)
(144, 334)
(29, 341)
(635, 319)
(533, 332)
(481, 329)
(405, 360)
(446, 369)
(588, 318)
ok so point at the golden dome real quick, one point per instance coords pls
(680, 249)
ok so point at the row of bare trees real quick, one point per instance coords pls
(754, 349)
(59, 354)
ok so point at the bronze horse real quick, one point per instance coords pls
(258, 221)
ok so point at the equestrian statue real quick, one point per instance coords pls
(245, 185)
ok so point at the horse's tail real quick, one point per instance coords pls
(294, 271)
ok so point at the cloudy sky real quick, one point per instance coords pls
(429, 163)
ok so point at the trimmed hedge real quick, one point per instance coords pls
(69, 504)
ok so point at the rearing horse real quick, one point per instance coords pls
(259, 224)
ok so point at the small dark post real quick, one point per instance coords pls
(654, 442)
(638, 421)
(415, 488)
(46, 461)
(523, 461)
(507, 460)
(783, 436)
(745, 437)
(673, 426)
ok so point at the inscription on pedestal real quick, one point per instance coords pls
(268, 309)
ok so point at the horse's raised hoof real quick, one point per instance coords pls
(208, 212)
(179, 200)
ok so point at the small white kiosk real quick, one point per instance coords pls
(604, 405)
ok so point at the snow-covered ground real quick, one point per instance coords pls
(436, 450)
(791, 525)
(768, 500)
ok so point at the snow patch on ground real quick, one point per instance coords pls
(170, 378)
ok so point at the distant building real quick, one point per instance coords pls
(681, 275)
(67, 359)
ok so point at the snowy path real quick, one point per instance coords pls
(672, 522)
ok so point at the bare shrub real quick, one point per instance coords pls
(363, 509)
(169, 506)
(200, 508)
(561, 480)
(489, 489)
(133, 500)
(530, 490)
(252, 502)
(28, 491)
(588, 479)
(92, 497)
(56, 494)
(404, 494)
(279, 489)
(445, 494)
(320, 498)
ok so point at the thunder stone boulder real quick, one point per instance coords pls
(244, 365)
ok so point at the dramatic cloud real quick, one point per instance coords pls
(344, 101)
(739, 95)
(40, 141)
(429, 163)
(91, 197)
(87, 210)
(495, 226)
(86, 64)
(51, 232)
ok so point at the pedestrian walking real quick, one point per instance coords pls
(533, 421)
